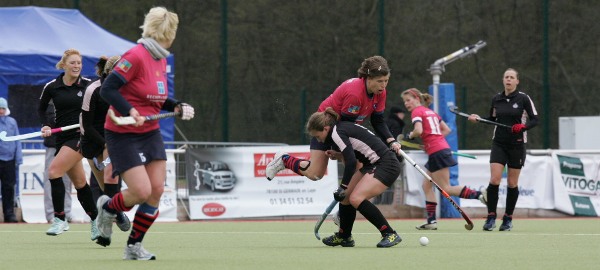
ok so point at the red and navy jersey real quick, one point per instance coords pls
(351, 100)
(145, 87)
(356, 143)
(432, 136)
(67, 103)
(516, 108)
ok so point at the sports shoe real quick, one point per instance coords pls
(137, 252)
(490, 223)
(58, 226)
(95, 233)
(275, 166)
(428, 226)
(336, 218)
(483, 196)
(104, 221)
(123, 222)
(506, 223)
(336, 240)
(389, 240)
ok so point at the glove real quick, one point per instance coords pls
(518, 128)
(187, 111)
(340, 193)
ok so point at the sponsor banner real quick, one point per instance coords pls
(31, 185)
(577, 184)
(535, 181)
(230, 183)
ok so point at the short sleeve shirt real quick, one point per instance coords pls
(351, 98)
(432, 136)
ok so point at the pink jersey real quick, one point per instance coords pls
(146, 87)
(432, 134)
(350, 98)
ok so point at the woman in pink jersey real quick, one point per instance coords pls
(354, 100)
(430, 127)
(138, 87)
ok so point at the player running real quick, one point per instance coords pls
(430, 127)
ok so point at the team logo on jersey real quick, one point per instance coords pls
(80, 94)
(125, 65)
(353, 109)
(515, 105)
(161, 87)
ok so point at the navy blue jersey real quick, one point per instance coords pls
(516, 108)
(356, 143)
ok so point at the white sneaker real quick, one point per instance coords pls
(428, 226)
(336, 218)
(58, 226)
(104, 220)
(137, 252)
(94, 231)
(275, 166)
(483, 197)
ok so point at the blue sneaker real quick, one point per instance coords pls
(506, 223)
(490, 223)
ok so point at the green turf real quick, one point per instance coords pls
(533, 244)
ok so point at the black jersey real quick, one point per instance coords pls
(516, 108)
(356, 143)
(67, 104)
(93, 114)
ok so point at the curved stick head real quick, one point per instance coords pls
(3, 135)
(469, 226)
(453, 108)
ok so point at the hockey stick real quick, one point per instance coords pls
(129, 120)
(469, 225)
(455, 110)
(421, 147)
(34, 134)
(323, 217)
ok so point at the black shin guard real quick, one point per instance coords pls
(512, 195)
(57, 188)
(347, 217)
(373, 215)
(85, 197)
(492, 195)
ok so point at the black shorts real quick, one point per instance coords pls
(73, 143)
(511, 155)
(128, 150)
(90, 149)
(386, 169)
(440, 159)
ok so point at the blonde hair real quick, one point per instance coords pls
(63, 60)
(425, 99)
(160, 24)
(319, 120)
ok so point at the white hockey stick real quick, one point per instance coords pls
(129, 120)
(34, 134)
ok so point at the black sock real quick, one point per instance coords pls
(492, 194)
(58, 197)
(512, 195)
(111, 189)
(373, 215)
(347, 217)
(85, 197)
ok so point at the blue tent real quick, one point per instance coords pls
(33, 41)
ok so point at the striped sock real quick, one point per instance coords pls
(144, 218)
(430, 208)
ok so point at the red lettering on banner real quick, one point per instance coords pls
(213, 209)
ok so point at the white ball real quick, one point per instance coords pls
(424, 241)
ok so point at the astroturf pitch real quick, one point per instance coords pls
(564, 243)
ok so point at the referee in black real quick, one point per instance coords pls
(516, 109)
